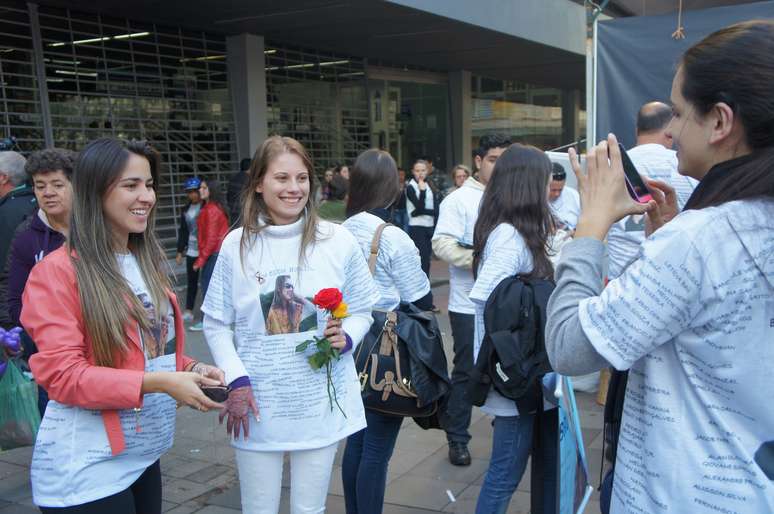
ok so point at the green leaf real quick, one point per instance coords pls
(303, 346)
(323, 345)
(318, 360)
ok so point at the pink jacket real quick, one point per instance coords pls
(64, 364)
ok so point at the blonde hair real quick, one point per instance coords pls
(255, 214)
(460, 167)
(107, 302)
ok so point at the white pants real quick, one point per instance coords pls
(260, 480)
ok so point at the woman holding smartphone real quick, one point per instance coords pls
(278, 402)
(110, 338)
(691, 317)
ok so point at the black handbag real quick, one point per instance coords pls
(383, 363)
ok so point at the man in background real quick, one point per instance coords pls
(453, 243)
(564, 201)
(654, 158)
(17, 202)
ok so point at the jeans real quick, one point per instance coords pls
(364, 466)
(511, 447)
(458, 407)
(260, 479)
(192, 277)
(142, 497)
(207, 270)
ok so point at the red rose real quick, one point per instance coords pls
(328, 298)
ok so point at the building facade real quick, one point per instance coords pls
(207, 85)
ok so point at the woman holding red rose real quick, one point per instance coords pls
(258, 311)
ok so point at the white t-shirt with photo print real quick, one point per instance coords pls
(256, 313)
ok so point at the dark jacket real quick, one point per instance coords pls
(33, 241)
(419, 202)
(513, 357)
(182, 230)
(15, 207)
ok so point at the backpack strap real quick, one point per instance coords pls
(375, 246)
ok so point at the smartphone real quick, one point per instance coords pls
(216, 393)
(634, 183)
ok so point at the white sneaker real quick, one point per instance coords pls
(198, 327)
(188, 316)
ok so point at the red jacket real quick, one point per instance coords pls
(212, 226)
(64, 365)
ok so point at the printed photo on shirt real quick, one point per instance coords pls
(155, 341)
(285, 311)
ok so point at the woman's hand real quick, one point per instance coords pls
(335, 334)
(666, 205)
(195, 267)
(209, 371)
(183, 386)
(179, 258)
(604, 198)
(240, 403)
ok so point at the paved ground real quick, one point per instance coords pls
(199, 472)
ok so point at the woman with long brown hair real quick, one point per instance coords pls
(691, 317)
(511, 238)
(398, 274)
(110, 337)
(278, 402)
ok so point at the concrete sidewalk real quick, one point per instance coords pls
(199, 472)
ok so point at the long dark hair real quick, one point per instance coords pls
(735, 65)
(216, 195)
(373, 182)
(517, 194)
(103, 291)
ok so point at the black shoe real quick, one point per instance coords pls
(459, 454)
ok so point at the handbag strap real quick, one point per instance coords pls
(375, 246)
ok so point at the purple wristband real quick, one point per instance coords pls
(348, 345)
(243, 381)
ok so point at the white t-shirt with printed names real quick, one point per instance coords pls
(625, 237)
(457, 219)
(693, 319)
(72, 461)
(398, 273)
(267, 299)
(567, 207)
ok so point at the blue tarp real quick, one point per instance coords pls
(637, 57)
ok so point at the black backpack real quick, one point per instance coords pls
(513, 355)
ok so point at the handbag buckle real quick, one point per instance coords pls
(363, 377)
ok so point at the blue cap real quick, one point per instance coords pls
(192, 183)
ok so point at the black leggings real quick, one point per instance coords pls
(142, 497)
(192, 276)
